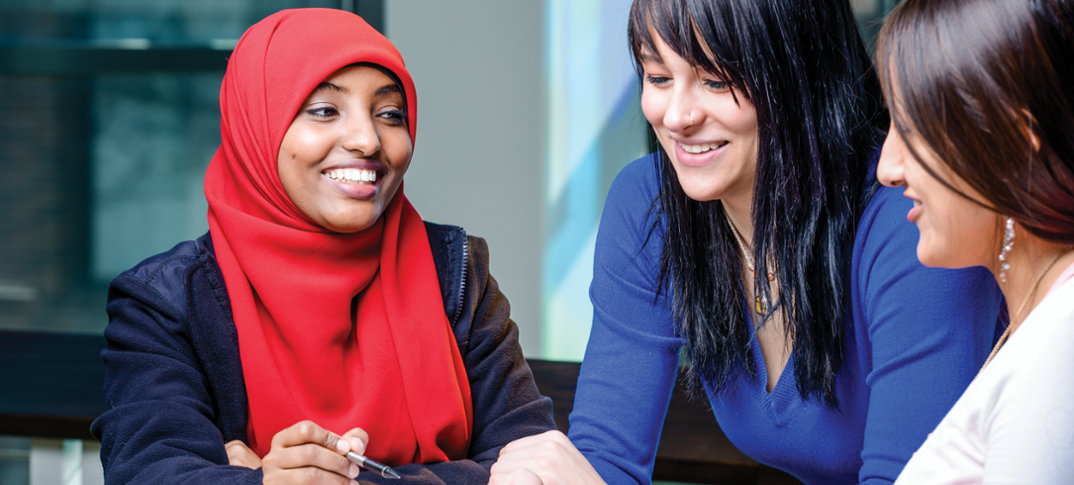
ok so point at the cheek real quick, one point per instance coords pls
(653, 106)
(963, 232)
(743, 119)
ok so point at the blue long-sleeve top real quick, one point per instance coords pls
(915, 340)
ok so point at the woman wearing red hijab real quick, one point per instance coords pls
(320, 314)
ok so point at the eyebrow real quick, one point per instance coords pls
(650, 57)
(335, 88)
(387, 89)
(327, 86)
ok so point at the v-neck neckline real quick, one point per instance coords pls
(783, 400)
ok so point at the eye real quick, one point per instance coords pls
(393, 116)
(718, 85)
(656, 80)
(322, 112)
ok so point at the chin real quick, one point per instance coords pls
(350, 226)
(700, 194)
(937, 258)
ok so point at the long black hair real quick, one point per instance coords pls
(821, 118)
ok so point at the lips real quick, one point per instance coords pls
(357, 179)
(915, 212)
(702, 148)
(698, 154)
(352, 175)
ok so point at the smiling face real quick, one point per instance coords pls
(710, 138)
(955, 231)
(343, 158)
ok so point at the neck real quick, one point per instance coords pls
(738, 211)
(1035, 266)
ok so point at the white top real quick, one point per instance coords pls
(1015, 422)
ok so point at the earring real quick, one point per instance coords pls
(1008, 242)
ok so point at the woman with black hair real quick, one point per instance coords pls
(758, 241)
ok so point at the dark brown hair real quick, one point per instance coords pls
(988, 85)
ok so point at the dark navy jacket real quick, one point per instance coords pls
(174, 380)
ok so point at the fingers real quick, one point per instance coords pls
(358, 440)
(554, 436)
(309, 432)
(305, 476)
(521, 476)
(551, 456)
(238, 454)
(308, 453)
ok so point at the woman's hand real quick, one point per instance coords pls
(238, 454)
(546, 459)
(521, 476)
(306, 453)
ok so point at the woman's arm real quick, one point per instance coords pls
(928, 331)
(174, 386)
(631, 361)
(159, 426)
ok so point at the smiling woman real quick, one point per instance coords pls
(345, 154)
(991, 175)
(757, 244)
(320, 315)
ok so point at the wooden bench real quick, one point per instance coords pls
(52, 386)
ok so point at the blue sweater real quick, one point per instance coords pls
(916, 339)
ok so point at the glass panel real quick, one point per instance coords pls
(157, 22)
(14, 460)
(153, 139)
(102, 170)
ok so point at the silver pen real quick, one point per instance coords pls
(373, 466)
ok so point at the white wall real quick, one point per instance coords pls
(478, 159)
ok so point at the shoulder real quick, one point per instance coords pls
(893, 286)
(884, 218)
(1039, 351)
(167, 265)
(637, 184)
(165, 275)
(632, 206)
(458, 257)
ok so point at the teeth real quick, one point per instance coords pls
(353, 175)
(702, 148)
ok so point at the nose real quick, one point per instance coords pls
(360, 134)
(890, 167)
(682, 111)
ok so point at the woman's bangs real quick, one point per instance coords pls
(677, 26)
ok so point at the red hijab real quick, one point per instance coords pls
(346, 330)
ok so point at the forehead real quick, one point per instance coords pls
(362, 81)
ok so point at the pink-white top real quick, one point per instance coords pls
(1015, 423)
(1063, 277)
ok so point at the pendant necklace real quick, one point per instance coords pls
(760, 305)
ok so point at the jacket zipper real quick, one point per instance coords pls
(462, 285)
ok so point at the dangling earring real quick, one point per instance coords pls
(1008, 242)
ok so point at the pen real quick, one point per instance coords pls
(372, 466)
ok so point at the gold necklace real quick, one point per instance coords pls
(745, 250)
(760, 305)
(1022, 307)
